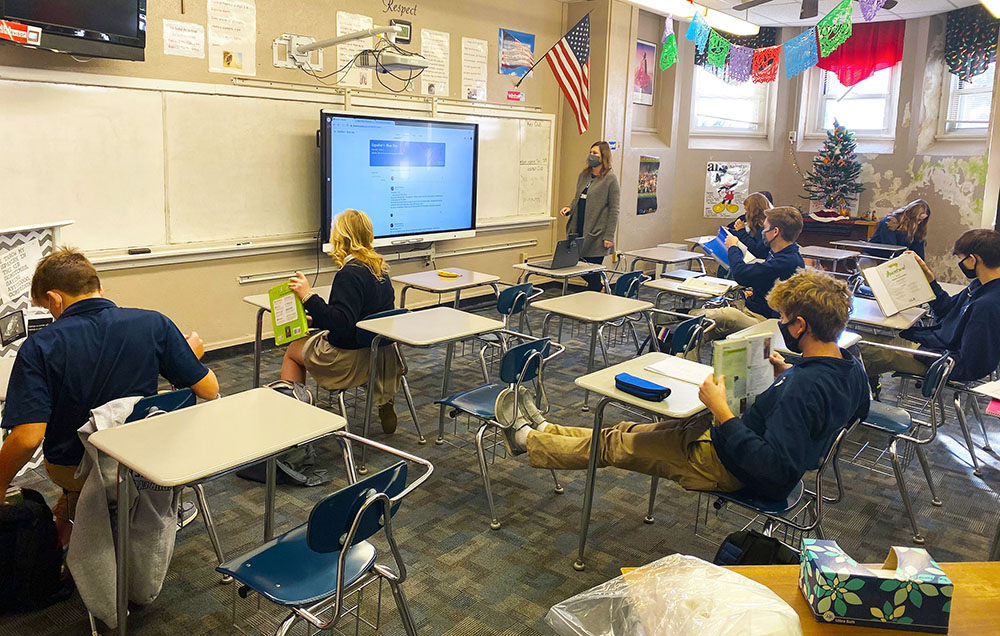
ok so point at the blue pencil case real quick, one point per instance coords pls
(640, 388)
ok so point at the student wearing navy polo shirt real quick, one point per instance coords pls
(93, 352)
(967, 324)
(905, 227)
(781, 229)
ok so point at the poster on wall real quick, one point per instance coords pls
(727, 184)
(434, 47)
(346, 51)
(232, 37)
(642, 82)
(517, 52)
(474, 54)
(649, 167)
(17, 265)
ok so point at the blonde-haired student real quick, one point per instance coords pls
(334, 357)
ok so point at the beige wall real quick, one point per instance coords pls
(206, 295)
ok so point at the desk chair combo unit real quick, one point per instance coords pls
(312, 569)
(521, 365)
(907, 435)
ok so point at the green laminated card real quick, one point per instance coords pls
(287, 315)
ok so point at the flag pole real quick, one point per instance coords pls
(532, 67)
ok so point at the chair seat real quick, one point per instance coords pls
(286, 571)
(480, 401)
(888, 418)
(760, 504)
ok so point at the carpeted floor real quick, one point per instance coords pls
(464, 578)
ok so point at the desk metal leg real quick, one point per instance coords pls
(402, 296)
(653, 344)
(369, 398)
(590, 360)
(257, 347)
(270, 489)
(458, 297)
(588, 492)
(564, 290)
(450, 353)
(124, 503)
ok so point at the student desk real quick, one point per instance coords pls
(846, 340)
(695, 241)
(228, 434)
(431, 282)
(828, 255)
(865, 311)
(682, 274)
(596, 309)
(682, 402)
(670, 286)
(886, 250)
(263, 304)
(423, 328)
(664, 256)
(564, 274)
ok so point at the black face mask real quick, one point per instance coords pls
(770, 240)
(970, 272)
(790, 341)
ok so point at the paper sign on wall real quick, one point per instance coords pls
(346, 51)
(232, 37)
(727, 185)
(474, 54)
(434, 47)
(186, 39)
(17, 265)
(20, 33)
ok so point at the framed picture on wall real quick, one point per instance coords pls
(642, 81)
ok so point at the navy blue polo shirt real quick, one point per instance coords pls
(94, 353)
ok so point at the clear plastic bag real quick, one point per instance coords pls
(678, 595)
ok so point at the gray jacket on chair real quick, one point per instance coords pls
(600, 214)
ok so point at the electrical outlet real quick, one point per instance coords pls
(792, 136)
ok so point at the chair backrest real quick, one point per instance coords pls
(515, 365)
(627, 285)
(331, 519)
(686, 335)
(170, 401)
(937, 376)
(512, 300)
(365, 337)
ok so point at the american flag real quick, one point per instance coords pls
(569, 60)
(515, 53)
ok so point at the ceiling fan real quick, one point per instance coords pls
(810, 8)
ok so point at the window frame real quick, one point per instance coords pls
(814, 115)
(948, 87)
(767, 114)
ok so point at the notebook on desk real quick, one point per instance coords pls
(681, 369)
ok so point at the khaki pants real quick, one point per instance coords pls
(63, 476)
(729, 320)
(878, 360)
(679, 450)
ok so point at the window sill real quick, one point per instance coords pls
(712, 141)
(866, 145)
(957, 145)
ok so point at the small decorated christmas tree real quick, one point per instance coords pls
(833, 180)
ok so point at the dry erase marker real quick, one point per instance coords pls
(244, 243)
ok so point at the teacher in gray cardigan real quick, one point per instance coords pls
(594, 217)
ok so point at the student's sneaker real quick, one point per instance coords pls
(526, 405)
(387, 415)
(186, 513)
(875, 383)
(515, 434)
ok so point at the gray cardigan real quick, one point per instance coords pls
(600, 214)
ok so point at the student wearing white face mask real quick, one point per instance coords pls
(593, 216)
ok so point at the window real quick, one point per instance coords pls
(967, 105)
(868, 108)
(735, 110)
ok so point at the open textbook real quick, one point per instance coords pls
(716, 248)
(287, 315)
(898, 284)
(708, 285)
(681, 369)
(745, 363)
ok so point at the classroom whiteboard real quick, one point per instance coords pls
(152, 165)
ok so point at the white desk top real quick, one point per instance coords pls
(698, 240)
(673, 286)
(867, 312)
(683, 399)
(673, 246)
(430, 281)
(826, 253)
(592, 306)
(663, 255)
(6, 364)
(191, 444)
(566, 272)
(682, 274)
(262, 301)
(430, 326)
(870, 246)
(846, 340)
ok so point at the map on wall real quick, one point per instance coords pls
(727, 184)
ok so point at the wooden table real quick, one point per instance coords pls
(424, 328)
(212, 438)
(974, 605)
(263, 304)
(431, 282)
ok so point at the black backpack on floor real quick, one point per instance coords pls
(749, 547)
(30, 556)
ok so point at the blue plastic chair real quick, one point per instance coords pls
(520, 365)
(311, 568)
(900, 427)
(512, 301)
(626, 286)
(687, 336)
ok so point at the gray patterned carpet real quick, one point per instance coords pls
(465, 578)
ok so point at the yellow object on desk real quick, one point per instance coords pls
(443, 273)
